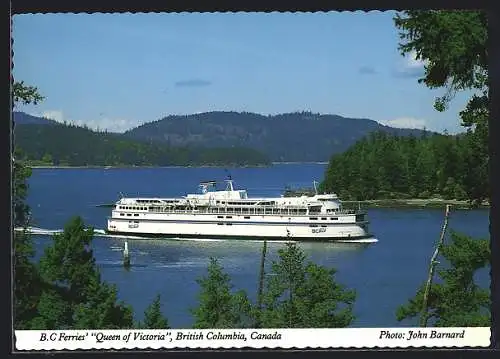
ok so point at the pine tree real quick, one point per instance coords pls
(300, 295)
(153, 317)
(76, 296)
(456, 300)
(218, 306)
(27, 283)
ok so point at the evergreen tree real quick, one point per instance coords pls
(27, 284)
(300, 295)
(456, 300)
(218, 306)
(153, 317)
(454, 46)
(388, 166)
(77, 297)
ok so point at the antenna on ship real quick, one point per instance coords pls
(315, 188)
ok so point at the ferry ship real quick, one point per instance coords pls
(231, 214)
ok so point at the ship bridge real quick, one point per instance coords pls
(209, 191)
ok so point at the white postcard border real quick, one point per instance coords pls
(471, 337)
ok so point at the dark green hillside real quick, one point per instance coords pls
(68, 145)
(22, 118)
(293, 137)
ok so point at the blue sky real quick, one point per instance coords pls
(116, 71)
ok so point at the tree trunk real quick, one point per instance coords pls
(424, 314)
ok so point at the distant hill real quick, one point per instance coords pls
(22, 118)
(47, 142)
(291, 137)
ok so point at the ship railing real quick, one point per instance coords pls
(269, 210)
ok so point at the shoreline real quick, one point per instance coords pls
(300, 163)
(174, 166)
(142, 167)
(436, 203)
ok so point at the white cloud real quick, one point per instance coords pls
(410, 67)
(55, 115)
(101, 123)
(412, 62)
(406, 122)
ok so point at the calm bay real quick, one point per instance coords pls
(384, 274)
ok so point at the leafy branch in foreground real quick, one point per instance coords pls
(25, 94)
(453, 45)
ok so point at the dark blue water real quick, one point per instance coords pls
(384, 274)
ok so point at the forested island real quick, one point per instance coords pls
(384, 166)
(57, 144)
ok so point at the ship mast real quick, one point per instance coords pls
(229, 181)
(229, 184)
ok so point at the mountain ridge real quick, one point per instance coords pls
(51, 143)
(288, 137)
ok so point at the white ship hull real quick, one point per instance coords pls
(209, 226)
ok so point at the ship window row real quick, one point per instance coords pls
(276, 211)
(279, 211)
(236, 210)
(133, 208)
(235, 203)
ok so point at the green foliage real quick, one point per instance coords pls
(20, 175)
(25, 94)
(300, 295)
(153, 318)
(76, 296)
(218, 306)
(454, 43)
(60, 144)
(456, 300)
(455, 46)
(27, 283)
(65, 290)
(382, 166)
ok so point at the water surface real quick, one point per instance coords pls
(384, 274)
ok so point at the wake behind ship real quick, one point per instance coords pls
(231, 214)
